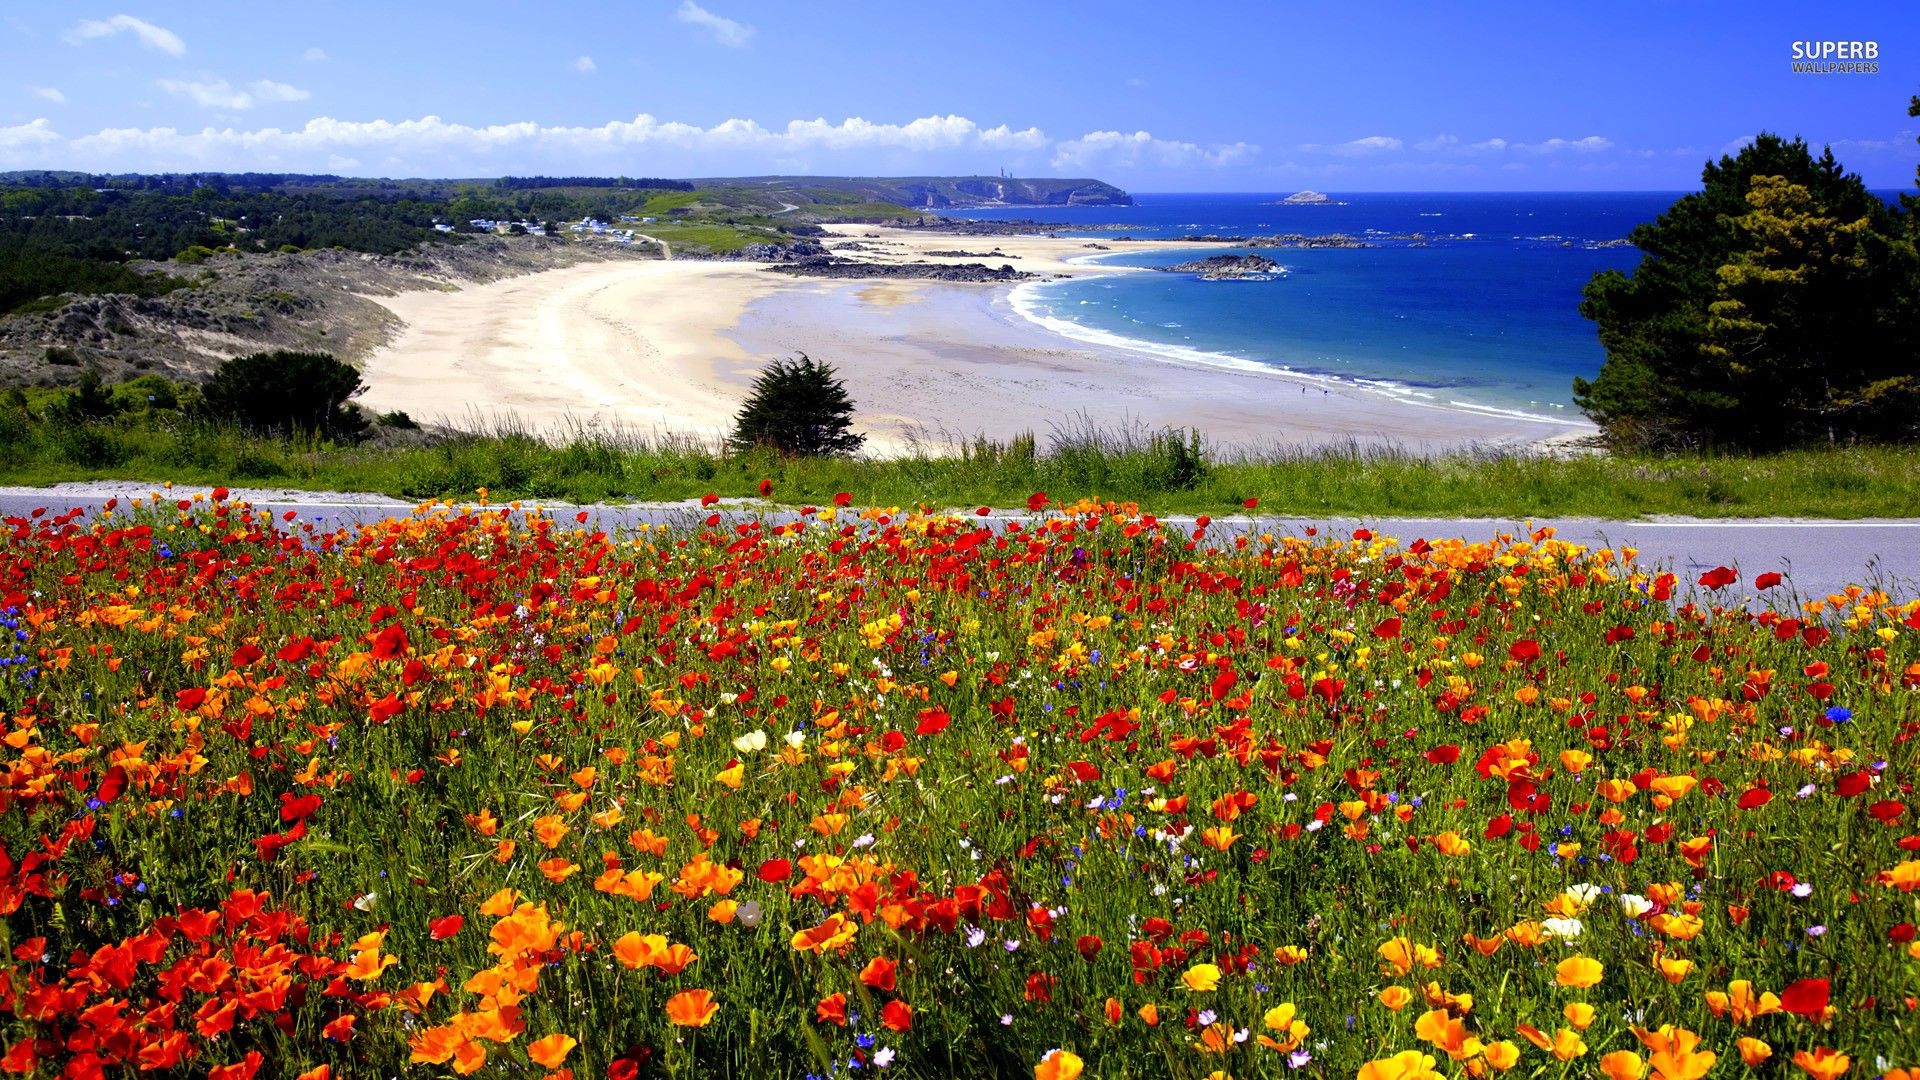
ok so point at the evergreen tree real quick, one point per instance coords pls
(797, 407)
(1774, 307)
(286, 393)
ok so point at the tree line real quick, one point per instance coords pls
(77, 232)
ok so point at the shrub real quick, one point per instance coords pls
(797, 407)
(286, 393)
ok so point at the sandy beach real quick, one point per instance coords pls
(672, 346)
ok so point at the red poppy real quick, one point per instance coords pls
(1767, 580)
(766, 488)
(443, 928)
(843, 498)
(774, 871)
(1808, 997)
(1719, 577)
(897, 1016)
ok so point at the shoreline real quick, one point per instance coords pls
(671, 347)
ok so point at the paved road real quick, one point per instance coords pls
(1817, 557)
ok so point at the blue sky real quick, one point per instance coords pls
(1202, 96)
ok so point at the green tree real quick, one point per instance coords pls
(286, 393)
(1774, 307)
(797, 407)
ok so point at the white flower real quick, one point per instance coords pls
(883, 1057)
(1635, 905)
(1563, 928)
(751, 741)
(795, 738)
(748, 914)
(365, 903)
(1584, 892)
(976, 937)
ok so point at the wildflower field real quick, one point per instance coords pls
(486, 792)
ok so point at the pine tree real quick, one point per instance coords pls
(797, 407)
(1776, 306)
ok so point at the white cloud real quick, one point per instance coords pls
(28, 136)
(423, 145)
(48, 93)
(726, 31)
(314, 55)
(1371, 144)
(1490, 144)
(212, 93)
(153, 37)
(1590, 144)
(1114, 149)
(1438, 142)
(268, 90)
(207, 93)
(585, 65)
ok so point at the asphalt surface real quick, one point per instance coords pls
(1817, 557)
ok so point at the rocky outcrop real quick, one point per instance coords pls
(996, 253)
(1305, 198)
(796, 251)
(915, 271)
(1229, 268)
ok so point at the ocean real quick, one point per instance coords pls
(1480, 312)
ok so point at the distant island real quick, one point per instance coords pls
(1306, 198)
(1229, 268)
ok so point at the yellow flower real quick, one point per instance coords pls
(1753, 1051)
(1395, 997)
(549, 1052)
(1406, 1065)
(1059, 1065)
(1201, 978)
(1579, 1014)
(1823, 1063)
(691, 1008)
(1578, 971)
(1673, 969)
(1623, 1065)
(1402, 954)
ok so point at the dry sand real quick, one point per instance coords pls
(673, 346)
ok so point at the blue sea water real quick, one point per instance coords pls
(1482, 313)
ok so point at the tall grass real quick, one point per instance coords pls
(1169, 470)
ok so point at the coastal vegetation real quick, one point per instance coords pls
(64, 234)
(154, 430)
(479, 792)
(797, 407)
(1778, 306)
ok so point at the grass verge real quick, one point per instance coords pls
(1171, 472)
